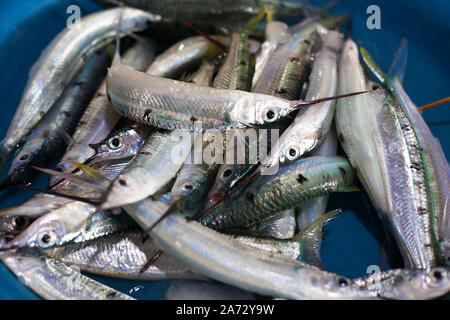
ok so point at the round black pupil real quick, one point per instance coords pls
(342, 282)
(227, 173)
(24, 157)
(270, 114)
(188, 187)
(46, 238)
(437, 275)
(292, 152)
(115, 142)
(19, 221)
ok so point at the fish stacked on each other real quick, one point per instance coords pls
(118, 204)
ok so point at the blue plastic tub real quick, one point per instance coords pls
(352, 243)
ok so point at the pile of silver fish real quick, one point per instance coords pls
(127, 117)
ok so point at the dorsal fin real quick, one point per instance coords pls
(398, 66)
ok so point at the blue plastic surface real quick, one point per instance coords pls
(353, 241)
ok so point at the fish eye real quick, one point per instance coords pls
(19, 222)
(46, 239)
(292, 153)
(188, 187)
(115, 142)
(342, 282)
(227, 173)
(437, 275)
(270, 115)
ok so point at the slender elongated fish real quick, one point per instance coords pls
(390, 163)
(284, 74)
(156, 163)
(99, 119)
(436, 162)
(312, 124)
(403, 284)
(47, 139)
(172, 104)
(276, 34)
(234, 10)
(222, 258)
(61, 61)
(183, 56)
(265, 196)
(53, 280)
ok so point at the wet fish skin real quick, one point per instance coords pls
(276, 34)
(390, 163)
(437, 168)
(122, 143)
(195, 10)
(266, 195)
(12, 225)
(152, 168)
(61, 61)
(183, 56)
(220, 257)
(283, 75)
(310, 210)
(123, 255)
(403, 284)
(172, 104)
(312, 123)
(99, 118)
(53, 280)
(46, 140)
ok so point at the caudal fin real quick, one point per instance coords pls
(398, 66)
(310, 239)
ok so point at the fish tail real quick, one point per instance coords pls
(311, 238)
(398, 66)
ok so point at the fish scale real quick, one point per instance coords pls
(414, 216)
(267, 195)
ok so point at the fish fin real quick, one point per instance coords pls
(349, 188)
(253, 22)
(372, 66)
(71, 177)
(311, 238)
(398, 66)
(88, 170)
(59, 194)
(269, 13)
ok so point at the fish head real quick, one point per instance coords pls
(260, 109)
(225, 176)
(417, 284)
(14, 224)
(407, 284)
(40, 234)
(121, 144)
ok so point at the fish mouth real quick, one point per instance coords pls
(212, 200)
